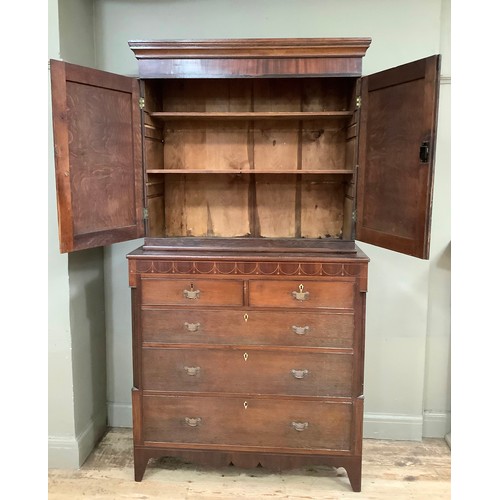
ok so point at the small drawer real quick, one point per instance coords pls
(239, 370)
(248, 422)
(193, 293)
(249, 327)
(302, 294)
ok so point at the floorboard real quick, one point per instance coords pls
(391, 469)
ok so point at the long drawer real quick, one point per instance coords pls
(302, 294)
(193, 293)
(204, 326)
(252, 422)
(236, 370)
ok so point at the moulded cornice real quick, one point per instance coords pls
(250, 47)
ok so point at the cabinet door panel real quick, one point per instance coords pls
(397, 135)
(97, 142)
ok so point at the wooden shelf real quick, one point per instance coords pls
(247, 171)
(268, 115)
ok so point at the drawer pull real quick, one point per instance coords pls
(300, 295)
(300, 330)
(192, 327)
(192, 293)
(193, 422)
(300, 426)
(299, 373)
(192, 370)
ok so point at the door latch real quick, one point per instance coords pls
(424, 152)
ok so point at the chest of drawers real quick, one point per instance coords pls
(248, 358)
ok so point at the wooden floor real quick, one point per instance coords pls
(391, 469)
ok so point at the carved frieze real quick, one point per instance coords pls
(247, 268)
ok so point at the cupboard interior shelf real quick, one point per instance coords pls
(253, 115)
(247, 171)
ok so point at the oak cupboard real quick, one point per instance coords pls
(250, 166)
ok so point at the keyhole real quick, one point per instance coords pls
(192, 287)
(245, 405)
(245, 317)
(301, 288)
(245, 356)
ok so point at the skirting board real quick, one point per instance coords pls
(70, 452)
(436, 425)
(391, 426)
(376, 425)
(406, 427)
(63, 453)
(119, 414)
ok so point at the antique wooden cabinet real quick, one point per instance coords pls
(251, 167)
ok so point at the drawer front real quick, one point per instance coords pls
(302, 294)
(248, 327)
(253, 422)
(192, 293)
(238, 370)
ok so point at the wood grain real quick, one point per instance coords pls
(250, 47)
(320, 294)
(291, 328)
(231, 126)
(98, 156)
(247, 370)
(398, 114)
(226, 422)
(176, 292)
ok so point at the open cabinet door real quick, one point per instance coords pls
(396, 157)
(98, 156)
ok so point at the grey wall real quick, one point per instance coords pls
(61, 425)
(437, 393)
(407, 336)
(77, 341)
(88, 346)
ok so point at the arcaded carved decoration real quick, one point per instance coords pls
(248, 268)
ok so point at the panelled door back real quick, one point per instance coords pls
(98, 151)
(396, 156)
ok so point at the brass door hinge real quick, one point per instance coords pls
(355, 215)
(358, 101)
(145, 214)
(141, 102)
